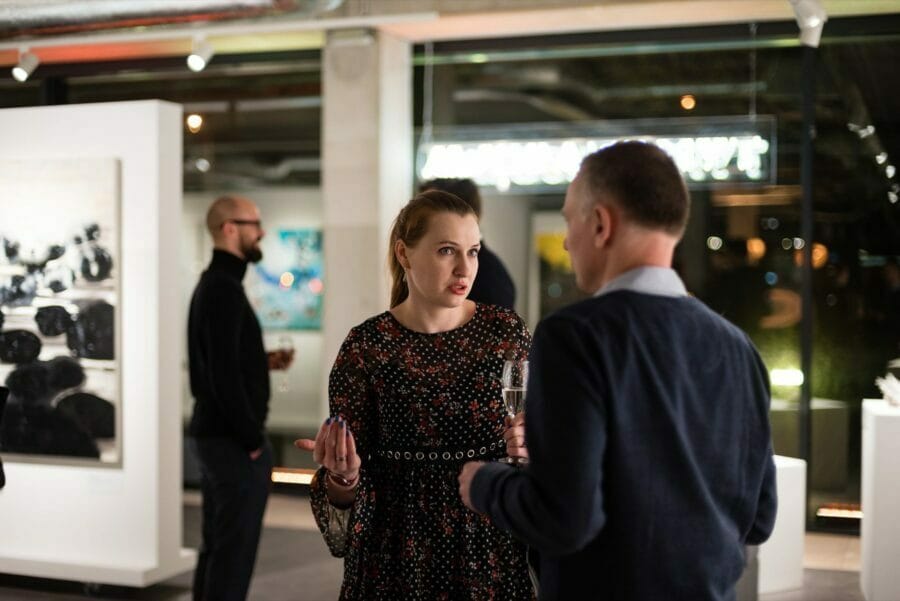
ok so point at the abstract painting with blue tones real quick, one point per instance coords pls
(286, 287)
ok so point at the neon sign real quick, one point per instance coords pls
(550, 163)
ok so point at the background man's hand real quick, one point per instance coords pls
(280, 359)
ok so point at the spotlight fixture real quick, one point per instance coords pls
(194, 122)
(201, 53)
(811, 17)
(28, 62)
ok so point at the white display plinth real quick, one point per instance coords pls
(119, 524)
(880, 532)
(830, 438)
(781, 557)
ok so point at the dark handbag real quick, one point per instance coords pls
(3, 394)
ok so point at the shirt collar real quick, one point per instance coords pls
(659, 281)
(231, 264)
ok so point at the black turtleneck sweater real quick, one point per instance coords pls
(228, 364)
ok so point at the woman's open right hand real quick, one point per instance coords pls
(334, 448)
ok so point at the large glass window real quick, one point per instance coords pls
(856, 288)
(743, 252)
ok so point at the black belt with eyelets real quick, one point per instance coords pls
(444, 455)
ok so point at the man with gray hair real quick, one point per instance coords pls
(229, 371)
(647, 419)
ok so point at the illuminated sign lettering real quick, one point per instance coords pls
(551, 163)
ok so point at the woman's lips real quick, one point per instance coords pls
(460, 288)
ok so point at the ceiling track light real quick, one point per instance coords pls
(201, 53)
(811, 17)
(28, 62)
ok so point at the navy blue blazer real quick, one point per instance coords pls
(651, 462)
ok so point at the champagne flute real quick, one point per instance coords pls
(515, 384)
(286, 349)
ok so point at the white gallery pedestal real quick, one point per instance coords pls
(880, 533)
(781, 557)
(114, 523)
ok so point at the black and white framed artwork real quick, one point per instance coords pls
(59, 307)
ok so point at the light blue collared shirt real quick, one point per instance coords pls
(660, 281)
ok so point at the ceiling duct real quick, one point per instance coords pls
(29, 19)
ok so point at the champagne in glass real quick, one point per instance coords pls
(515, 383)
(514, 398)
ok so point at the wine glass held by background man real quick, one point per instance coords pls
(229, 371)
(647, 419)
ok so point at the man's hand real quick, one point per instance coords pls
(254, 455)
(514, 435)
(465, 482)
(280, 359)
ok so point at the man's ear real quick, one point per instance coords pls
(400, 253)
(605, 221)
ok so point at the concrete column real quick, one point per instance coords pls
(367, 175)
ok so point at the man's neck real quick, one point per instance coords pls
(647, 249)
(228, 249)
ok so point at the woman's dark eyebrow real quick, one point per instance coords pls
(452, 243)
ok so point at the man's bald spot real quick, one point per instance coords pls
(223, 209)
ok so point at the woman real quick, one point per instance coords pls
(414, 393)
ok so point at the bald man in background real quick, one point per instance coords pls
(229, 370)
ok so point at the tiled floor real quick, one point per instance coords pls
(294, 564)
(831, 552)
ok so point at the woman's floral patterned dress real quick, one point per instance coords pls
(421, 405)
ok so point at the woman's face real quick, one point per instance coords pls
(441, 267)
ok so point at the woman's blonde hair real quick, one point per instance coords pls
(411, 225)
